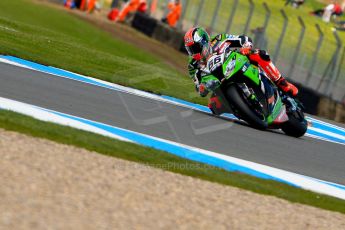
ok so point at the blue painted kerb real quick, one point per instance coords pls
(172, 148)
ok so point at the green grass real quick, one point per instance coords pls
(155, 158)
(55, 37)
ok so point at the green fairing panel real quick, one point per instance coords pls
(253, 73)
(276, 111)
(234, 63)
(208, 78)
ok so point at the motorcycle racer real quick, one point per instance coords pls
(200, 48)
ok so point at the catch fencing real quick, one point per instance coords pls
(305, 52)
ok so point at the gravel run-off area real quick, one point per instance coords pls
(45, 185)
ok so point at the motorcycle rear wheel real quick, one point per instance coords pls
(296, 126)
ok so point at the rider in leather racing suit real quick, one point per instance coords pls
(200, 48)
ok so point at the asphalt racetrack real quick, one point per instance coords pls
(311, 157)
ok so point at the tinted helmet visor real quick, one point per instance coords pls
(196, 48)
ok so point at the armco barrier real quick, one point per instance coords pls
(317, 104)
(144, 23)
(309, 97)
(168, 35)
(331, 109)
(314, 103)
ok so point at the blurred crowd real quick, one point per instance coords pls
(331, 12)
(122, 10)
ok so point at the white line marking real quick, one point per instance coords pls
(40, 114)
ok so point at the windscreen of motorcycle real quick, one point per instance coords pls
(229, 68)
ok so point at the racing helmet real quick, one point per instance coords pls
(197, 43)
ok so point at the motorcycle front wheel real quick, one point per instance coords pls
(240, 105)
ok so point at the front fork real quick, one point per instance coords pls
(251, 98)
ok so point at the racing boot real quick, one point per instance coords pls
(215, 105)
(286, 86)
(263, 60)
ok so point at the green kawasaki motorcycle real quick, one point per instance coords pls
(248, 93)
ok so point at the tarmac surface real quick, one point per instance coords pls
(307, 156)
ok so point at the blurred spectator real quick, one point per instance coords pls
(77, 3)
(333, 9)
(91, 5)
(82, 5)
(69, 4)
(142, 6)
(88, 5)
(153, 6)
(112, 15)
(294, 3)
(130, 7)
(174, 14)
(114, 12)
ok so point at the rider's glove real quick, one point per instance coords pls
(246, 48)
(202, 89)
(245, 51)
(212, 85)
